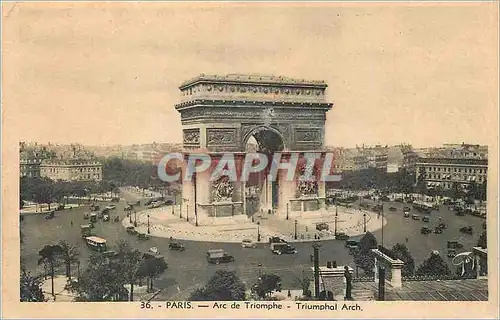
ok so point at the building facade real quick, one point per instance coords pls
(71, 169)
(462, 164)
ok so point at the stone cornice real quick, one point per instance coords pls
(242, 103)
(252, 80)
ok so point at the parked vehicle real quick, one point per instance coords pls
(128, 207)
(322, 226)
(442, 225)
(341, 236)
(247, 243)
(86, 216)
(219, 256)
(105, 210)
(93, 217)
(60, 207)
(425, 230)
(105, 218)
(426, 219)
(176, 246)
(110, 207)
(484, 225)
(116, 219)
(115, 199)
(284, 249)
(142, 236)
(467, 230)
(415, 217)
(100, 215)
(406, 209)
(454, 244)
(131, 230)
(406, 214)
(50, 215)
(94, 207)
(438, 230)
(393, 209)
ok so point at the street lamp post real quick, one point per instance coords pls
(258, 231)
(295, 233)
(187, 213)
(364, 220)
(335, 226)
(382, 225)
(135, 218)
(130, 217)
(173, 209)
(287, 215)
(149, 231)
(260, 270)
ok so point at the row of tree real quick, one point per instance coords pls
(45, 190)
(104, 278)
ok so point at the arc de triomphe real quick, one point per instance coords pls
(220, 114)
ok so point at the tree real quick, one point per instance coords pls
(151, 268)
(482, 241)
(49, 256)
(457, 192)
(223, 286)
(401, 252)
(482, 192)
(365, 258)
(31, 288)
(102, 280)
(305, 283)
(433, 266)
(69, 255)
(421, 186)
(267, 283)
(130, 261)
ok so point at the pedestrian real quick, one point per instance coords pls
(72, 223)
(406, 240)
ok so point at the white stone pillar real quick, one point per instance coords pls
(396, 281)
(375, 267)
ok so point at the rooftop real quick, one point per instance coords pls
(433, 290)
(252, 78)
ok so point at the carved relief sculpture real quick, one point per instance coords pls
(221, 136)
(191, 136)
(305, 187)
(222, 190)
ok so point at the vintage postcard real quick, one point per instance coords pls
(249, 160)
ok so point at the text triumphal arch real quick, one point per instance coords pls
(220, 114)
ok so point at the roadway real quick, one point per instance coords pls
(189, 268)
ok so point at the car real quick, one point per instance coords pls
(384, 198)
(128, 207)
(460, 213)
(154, 250)
(60, 207)
(425, 230)
(406, 214)
(351, 244)
(452, 253)
(105, 210)
(406, 209)
(115, 199)
(276, 240)
(100, 215)
(285, 249)
(111, 207)
(247, 243)
(484, 225)
(105, 218)
(426, 219)
(86, 216)
(110, 254)
(393, 209)
(454, 244)
(176, 246)
(142, 236)
(341, 236)
(322, 226)
(131, 230)
(49, 215)
(219, 255)
(415, 217)
(438, 230)
(468, 230)
(94, 207)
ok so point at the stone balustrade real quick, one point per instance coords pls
(392, 266)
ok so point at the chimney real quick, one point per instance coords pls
(334, 264)
(329, 264)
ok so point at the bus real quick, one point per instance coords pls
(96, 243)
